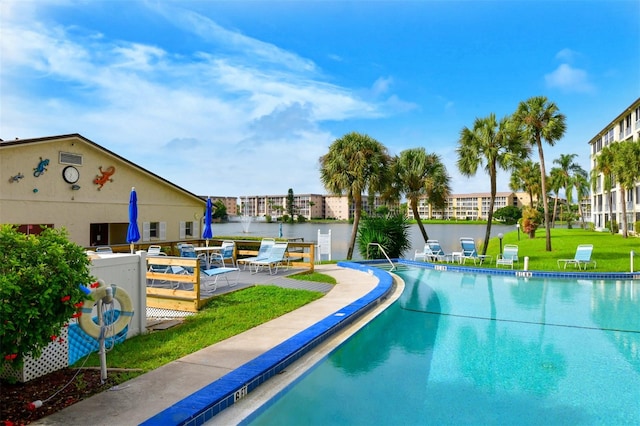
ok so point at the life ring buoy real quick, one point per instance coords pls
(89, 326)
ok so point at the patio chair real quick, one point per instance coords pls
(582, 257)
(225, 253)
(509, 256)
(277, 257)
(468, 246)
(436, 249)
(431, 251)
(187, 250)
(103, 249)
(154, 251)
(212, 285)
(263, 252)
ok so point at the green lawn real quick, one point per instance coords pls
(224, 316)
(611, 252)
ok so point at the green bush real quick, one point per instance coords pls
(612, 226)
(391, 232)
(40, 278)
(531, 220)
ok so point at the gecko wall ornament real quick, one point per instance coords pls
(41, 167)
(106, 176)
(16, 178)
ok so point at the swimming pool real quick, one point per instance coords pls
(465, 348)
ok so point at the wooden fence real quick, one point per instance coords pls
(160, 270)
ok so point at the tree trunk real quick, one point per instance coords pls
(623, 192)
(414, 208)
(487, 233)
(610, 213)
(545, 203)
(354, 230)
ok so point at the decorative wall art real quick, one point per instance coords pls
(106, 176)
(41, 167)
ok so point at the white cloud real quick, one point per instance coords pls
(569, 79)
(218, 124)
(567, 55)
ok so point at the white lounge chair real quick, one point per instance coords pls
(509, 256)
(468, 246)
(582, 257)
(212, 285)
(431, 251)
(277, 257)
(263, 252)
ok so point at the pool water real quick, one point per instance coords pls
(460, 348)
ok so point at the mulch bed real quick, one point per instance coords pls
(56, 390)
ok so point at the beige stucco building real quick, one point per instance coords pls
(624, 127)
(473, 206)
(69, 181)
(308, 205)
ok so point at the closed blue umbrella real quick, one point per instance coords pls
(208, 232)
(133, 234)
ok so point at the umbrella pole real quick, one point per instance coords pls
(131, 247)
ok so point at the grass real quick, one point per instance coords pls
(223, 317)
(611, 252)
(315, 277)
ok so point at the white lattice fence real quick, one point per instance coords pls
(54, 357)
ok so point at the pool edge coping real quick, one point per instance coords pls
(203, 404)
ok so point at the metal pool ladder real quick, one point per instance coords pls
(383, 252)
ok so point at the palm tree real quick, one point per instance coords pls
(493, 145)
(541, 119)
(526, 177)
(418, 174)
(556, 183)
(581, 185)
(604, 166)
(355, 164)
(568, 169)
(626, 168)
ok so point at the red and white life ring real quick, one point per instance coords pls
(89, 326)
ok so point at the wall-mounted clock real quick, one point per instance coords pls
(70, 174)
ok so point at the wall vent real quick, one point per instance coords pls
(68, 158)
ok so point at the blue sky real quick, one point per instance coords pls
(241, 98)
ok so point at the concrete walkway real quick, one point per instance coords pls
(139, 399)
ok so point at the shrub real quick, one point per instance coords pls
(40, 278)
(612, 226)
(531, 220)
(508, 214)
(391, 232)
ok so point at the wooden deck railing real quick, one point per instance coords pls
(301, 255)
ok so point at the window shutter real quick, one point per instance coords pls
(163, 230)
(196, 229)
(183, 232)
(146, 231)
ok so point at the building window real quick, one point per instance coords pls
(188, 229)
(154, 229)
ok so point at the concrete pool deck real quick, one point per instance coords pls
(182, 391)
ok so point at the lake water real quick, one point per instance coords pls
(448, 235)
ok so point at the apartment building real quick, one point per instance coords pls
(230, 203)
(473, 206)
(624, 127)
(311, 206)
